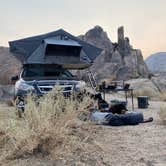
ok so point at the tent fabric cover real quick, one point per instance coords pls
(39, 56)
(73, 62)
(28, 47)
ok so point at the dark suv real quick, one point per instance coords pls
(40, 79)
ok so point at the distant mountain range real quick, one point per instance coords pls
(157, 62)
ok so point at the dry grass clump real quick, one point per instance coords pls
(162, 96)
(50, 129)
(162, 114)
(10, 102)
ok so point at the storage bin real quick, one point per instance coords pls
(143, 101)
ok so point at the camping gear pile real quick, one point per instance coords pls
(115, 114)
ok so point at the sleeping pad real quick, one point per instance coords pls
(129, 118)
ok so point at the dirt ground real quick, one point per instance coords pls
(140, 145)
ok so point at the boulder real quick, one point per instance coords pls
(160, 83)
(99, 38)
(9, 66)
(144, 87)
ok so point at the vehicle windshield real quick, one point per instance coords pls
(29, 72)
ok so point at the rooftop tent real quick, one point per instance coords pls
(57, 47)
(66, 53)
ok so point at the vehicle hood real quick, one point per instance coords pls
(51, 82)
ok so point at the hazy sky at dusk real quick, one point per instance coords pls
(144, 20)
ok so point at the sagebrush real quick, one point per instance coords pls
(162, 114)
(50, 127)
(162, 96)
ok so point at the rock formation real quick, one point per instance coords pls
(118, 60)
(144, 87)
(9, 65)
(123, 42)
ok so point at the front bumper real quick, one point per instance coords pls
(40, 90)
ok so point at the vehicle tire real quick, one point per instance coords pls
(19, 103)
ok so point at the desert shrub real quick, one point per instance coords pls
(162, 114)
(50, 127)
(10, 102)
(162, 96)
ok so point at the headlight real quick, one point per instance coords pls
(24, 87)
(80, 85)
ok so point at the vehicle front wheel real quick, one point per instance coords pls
(20, 105)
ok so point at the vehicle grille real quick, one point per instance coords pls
(64, 88)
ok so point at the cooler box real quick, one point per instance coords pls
(116, 102)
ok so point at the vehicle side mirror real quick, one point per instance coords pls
(14, 78)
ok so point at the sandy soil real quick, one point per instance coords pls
(140, 145)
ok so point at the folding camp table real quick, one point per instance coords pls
(120, 89)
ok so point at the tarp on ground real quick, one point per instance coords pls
(32, 50)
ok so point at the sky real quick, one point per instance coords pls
(144, 20)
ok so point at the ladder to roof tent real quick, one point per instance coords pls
(92, 80)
